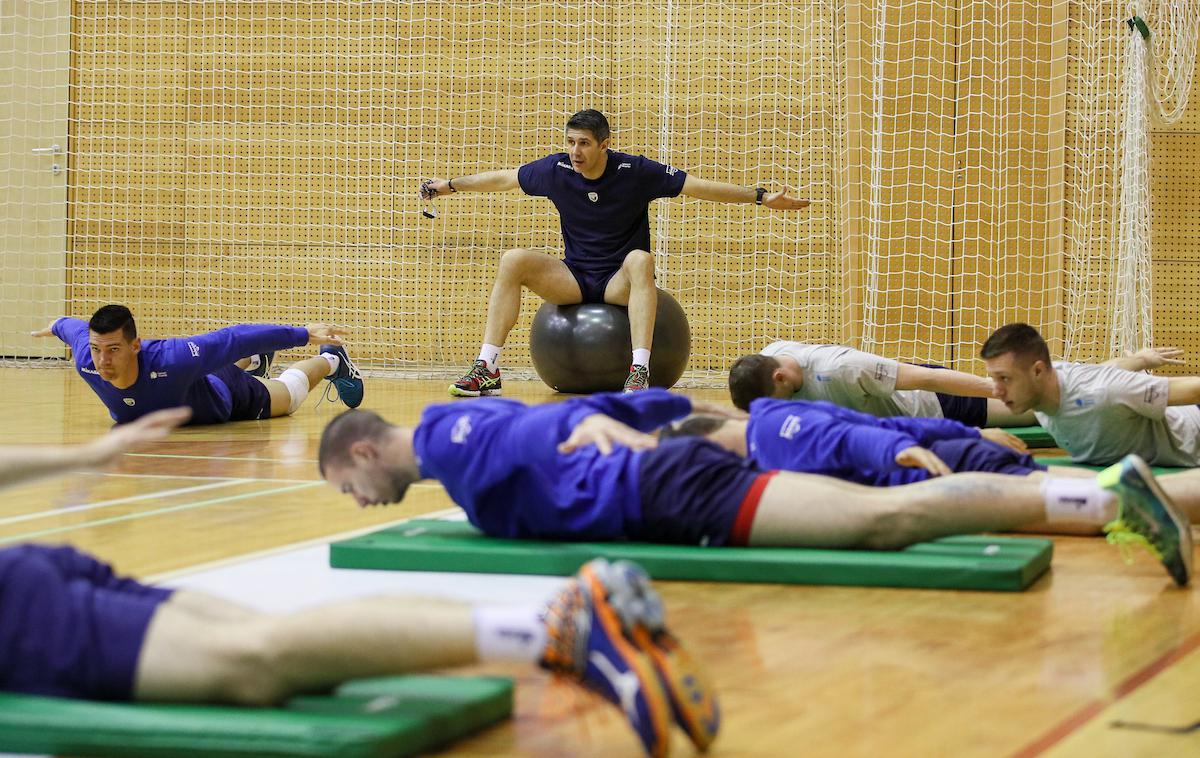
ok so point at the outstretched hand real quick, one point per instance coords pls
(604, 432)
(780, 201)
(431, 188)
(919, 457)
(1153, 357)
(1001, 437)
(149, 428)
(324, 334)
(46, 331)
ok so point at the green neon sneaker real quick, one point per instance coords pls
(1147, 517)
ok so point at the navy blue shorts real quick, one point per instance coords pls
(693, 492)
(591, 283)
(251, 398)
(70, 627)
(971, 411)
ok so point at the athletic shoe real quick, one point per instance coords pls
(263, 370)
(693, 699)
(478, 381)
(1147, 517)
(638, 379)
(347, 380)
(588, 630)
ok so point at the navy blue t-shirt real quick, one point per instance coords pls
(602, 219)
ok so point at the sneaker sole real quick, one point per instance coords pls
(455, 391)
(693, 704)
(614, 623)
(1182, 525)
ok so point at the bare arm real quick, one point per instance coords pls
(1183, 390)
(721, 192)
(911, 377)
(1148, 358)
(21, 464)
(489, 181)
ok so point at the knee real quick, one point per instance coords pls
(640, 265)
(514, 263)
(892, 527)
(254, 672)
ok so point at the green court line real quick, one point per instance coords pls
(145, 514)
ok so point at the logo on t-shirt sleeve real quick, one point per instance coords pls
(461, 430)
(1151, 395)
(194, 348)
(672, 171)
(881, 372)
(790, 426)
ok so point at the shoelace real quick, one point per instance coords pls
(1125, 539)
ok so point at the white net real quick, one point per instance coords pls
(223, 162)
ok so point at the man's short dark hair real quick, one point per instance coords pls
(1022, 340)
(110, 318)
(693, 426)
(591, 120)
(750, 379)
(346, 429)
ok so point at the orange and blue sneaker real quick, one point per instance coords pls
(589, 627)
(347, 380)
(478, 381)
(638, 379)
(693, 699)
(1146, 517)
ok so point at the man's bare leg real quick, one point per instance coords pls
(815, 511)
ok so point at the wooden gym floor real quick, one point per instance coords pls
(819, 671)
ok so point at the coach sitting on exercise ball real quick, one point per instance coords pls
(602, 197)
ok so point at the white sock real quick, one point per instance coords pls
(489, 354)
(255, 362)
(506, 633)
(1070, 499)
(641, 356)
(334, 363)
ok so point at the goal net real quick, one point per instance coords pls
(209, 163)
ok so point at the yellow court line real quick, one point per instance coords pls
(121, 500)
(221, 458)
(192, 476)
(146, 514)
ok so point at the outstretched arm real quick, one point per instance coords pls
(1148, 358)
(20, 464)
(946, 381)
(205, 353)
(721, 192)
(1183, 390)
(489, 181)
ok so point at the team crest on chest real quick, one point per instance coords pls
(593, 196)
(129, 400)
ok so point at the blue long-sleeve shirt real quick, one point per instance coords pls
(175, 372)
(823, 438)
(499, 461)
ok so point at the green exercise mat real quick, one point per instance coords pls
(1048, 460)
(1032, 436)
(393, 716)
(967, 562)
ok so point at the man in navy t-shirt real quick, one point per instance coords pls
(133, 377)
(603, 198)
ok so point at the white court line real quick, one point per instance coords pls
(271, 551)
(221, 458)
(146, 514)
(119, 501)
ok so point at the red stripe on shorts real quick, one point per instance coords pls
(740, 535)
